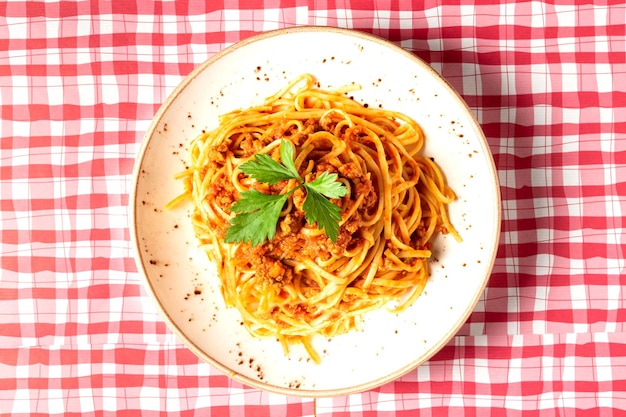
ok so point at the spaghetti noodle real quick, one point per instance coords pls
(301, 283)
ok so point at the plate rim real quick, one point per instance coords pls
(139, 259)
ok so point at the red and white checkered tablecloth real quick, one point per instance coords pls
(80, 82)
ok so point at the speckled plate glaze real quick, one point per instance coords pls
(183, 283)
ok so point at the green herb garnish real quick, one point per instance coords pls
(258, 213)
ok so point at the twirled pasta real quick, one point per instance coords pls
(302, 284)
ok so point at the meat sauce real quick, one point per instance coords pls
(289, 242)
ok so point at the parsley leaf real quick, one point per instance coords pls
(318, 209)
(258, 214)
(286, 157)
(265, 169)
(253, 200)
(328, 185)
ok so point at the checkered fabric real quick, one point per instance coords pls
(80, 82)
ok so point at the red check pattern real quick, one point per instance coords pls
(79, 84)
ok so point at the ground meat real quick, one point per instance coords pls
(325, 167)
(217, 158)
(351, 170)
(248, 145)
(365, 187)
(292, 223)
(222, 192)
(300, 310)
(298, 197)
(267, 268)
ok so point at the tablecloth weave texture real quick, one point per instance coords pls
(79, 84)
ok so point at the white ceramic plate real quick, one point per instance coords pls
(183, 282)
